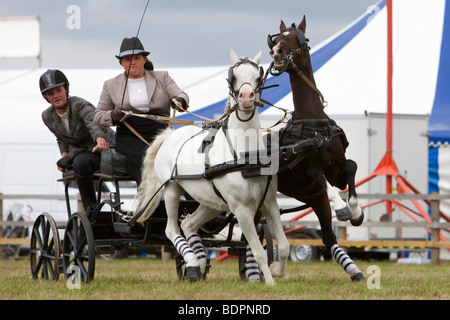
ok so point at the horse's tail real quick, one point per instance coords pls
(150, 184)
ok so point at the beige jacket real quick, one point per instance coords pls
(160, 89)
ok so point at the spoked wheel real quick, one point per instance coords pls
(79, 248)
(45, 248)
(179, 263)
(270, 249)
(242, 265)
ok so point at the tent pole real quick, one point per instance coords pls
(389, 103)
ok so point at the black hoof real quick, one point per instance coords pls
(358, 277)
(193, 273)
(343, 214)
(358, 221)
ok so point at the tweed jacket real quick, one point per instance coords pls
(160, 89)
(83, 132)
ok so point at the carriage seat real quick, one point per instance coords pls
(112, 168)
(114, 165)
(67, 176)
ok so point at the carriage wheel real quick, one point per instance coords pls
(263, 233)
(79, 248)
(270, 249)
(179, 263)
(242, 266)
(45, 248)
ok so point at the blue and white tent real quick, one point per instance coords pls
(351, 71)
(350, 67)
(439, 123)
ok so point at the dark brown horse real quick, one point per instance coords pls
(312, 145)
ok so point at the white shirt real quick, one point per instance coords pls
(65, 119)
(137, 92)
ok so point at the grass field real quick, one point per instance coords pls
(152, 279)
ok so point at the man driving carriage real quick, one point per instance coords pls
(78, 138)
(140, 90)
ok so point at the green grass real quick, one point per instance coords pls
(144, 279)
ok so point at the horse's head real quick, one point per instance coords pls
(244, 81)
(287, 47)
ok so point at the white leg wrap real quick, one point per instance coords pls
(343, 259)
(252, 271)
(196, 244)
(183, 248)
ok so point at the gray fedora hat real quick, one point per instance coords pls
(131, 46)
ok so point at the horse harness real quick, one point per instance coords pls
(301, 137)
(245, 164)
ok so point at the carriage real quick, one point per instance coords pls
(158, 219)
(105, 230)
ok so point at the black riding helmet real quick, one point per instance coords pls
(52, 78)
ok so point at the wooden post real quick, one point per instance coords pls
(435, 215)
(342, 235)
(165, 256)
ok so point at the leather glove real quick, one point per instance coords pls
(178, 104)
(116, 116)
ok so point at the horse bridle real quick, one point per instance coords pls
(230, 78)
(303, 45)
(234, 93)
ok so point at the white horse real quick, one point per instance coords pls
(177, 159)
